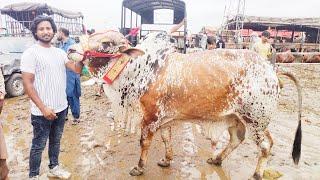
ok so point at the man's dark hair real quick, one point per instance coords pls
(40, 19)
(89, 32)
(65, 31)
(211, 40)
(265, 34)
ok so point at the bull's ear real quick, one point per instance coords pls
(134, 52)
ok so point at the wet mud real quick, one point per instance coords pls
(94, 150)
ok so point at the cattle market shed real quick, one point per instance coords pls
(311, 26)
(17, 17)
(143, 11)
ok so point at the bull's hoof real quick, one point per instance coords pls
(136, 171)
(256, 176)
(216, 161)
(164, 163)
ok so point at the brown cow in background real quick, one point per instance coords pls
(285, 56)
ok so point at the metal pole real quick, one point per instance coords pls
(318, 38)
(125, 14)
(122, 16)
(136, 20)
(185, 30)
(292, 35)
(140, 26)
(130, 19)
(7, 24)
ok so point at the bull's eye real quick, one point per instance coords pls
(105, 45)
(161, 35)
(71, 50)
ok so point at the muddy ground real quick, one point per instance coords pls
(93, 150)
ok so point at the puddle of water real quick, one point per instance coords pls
(87, 140)
(188, 169)
(100, 160)
(72, 155)
(85, 165)
(190, 172)
(16, 157)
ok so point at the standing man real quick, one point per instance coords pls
(254, 38)
(4, 171)
(263, 47)
(44, 77)
(73, 79)
(220, 43)
(211, 43)
(203, 41)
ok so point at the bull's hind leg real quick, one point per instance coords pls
(237, 132)
(265, 147)
(145, 142)
(166, 137)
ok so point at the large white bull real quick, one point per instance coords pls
(230, 89)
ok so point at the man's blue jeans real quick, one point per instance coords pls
(42, 130)
(73, 91)
(74, 104)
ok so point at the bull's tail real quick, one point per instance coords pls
(296, 149)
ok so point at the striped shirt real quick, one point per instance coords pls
(48, 67)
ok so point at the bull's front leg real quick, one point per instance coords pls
(145, 142)
(166, 137)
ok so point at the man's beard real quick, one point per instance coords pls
(44, 40)
(59, 38)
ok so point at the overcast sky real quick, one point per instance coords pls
(103, 14)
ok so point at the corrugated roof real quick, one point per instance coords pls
(139, 6)
(311, 22)
(41, 7)
(280, 21)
